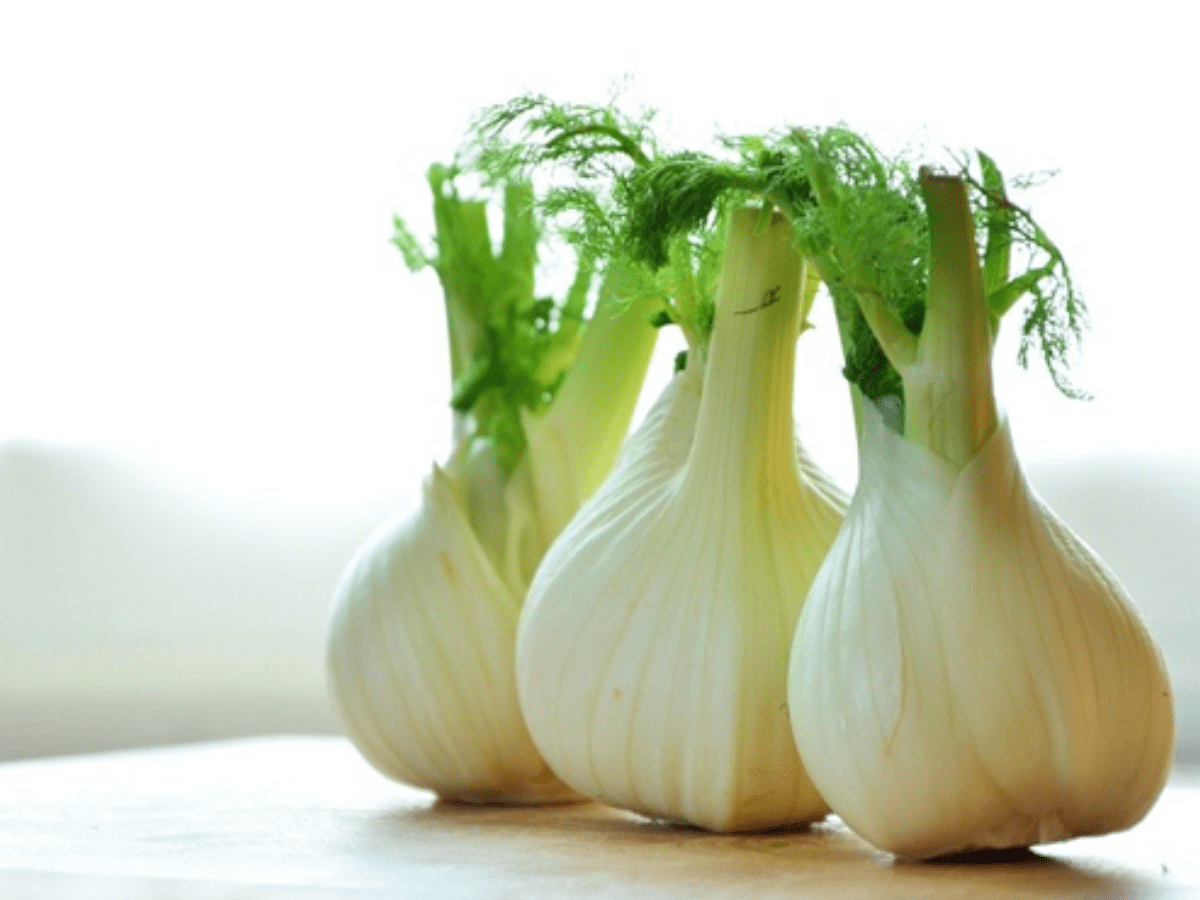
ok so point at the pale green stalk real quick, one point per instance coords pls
(950, 406)
(593, 406)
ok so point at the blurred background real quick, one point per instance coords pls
(216, 375)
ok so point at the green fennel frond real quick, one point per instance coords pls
(867, 235)
(688, 193)
(415, 256)
(582, 152)
(1056, 317)
(509, 347)
(871, 220)
(534, 131)
(592, 158)
(860, 221)
(673, 195)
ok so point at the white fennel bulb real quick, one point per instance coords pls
(966, 673)
(421, 659)
(652, 649)
(421, 643)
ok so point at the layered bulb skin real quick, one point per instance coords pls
(966, 673)
(422, 637)
(420, 659)
(652, 650)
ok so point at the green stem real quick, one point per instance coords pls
(463, 249)
(595, 403)
(518, 253)
(899, 345)
(462, 306)
(744, 432)
(687, 293)
(571, 446)
(997, 254)
(949, 402)
(621, 141)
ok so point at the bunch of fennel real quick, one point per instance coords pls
(421, 641)
(966, 673)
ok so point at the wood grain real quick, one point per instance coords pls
(306, 817)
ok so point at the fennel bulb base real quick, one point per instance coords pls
(652, 668)
(652, 649)
(420, 661)
(966, 673)
(544, 790)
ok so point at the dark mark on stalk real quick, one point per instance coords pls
(770, 298)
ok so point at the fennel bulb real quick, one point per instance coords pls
(422, 634)
(966, 673)
(652, 648)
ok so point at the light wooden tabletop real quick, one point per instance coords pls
(306, 818)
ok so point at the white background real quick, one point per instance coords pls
(216, 374)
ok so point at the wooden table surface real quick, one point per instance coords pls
(306, 818)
